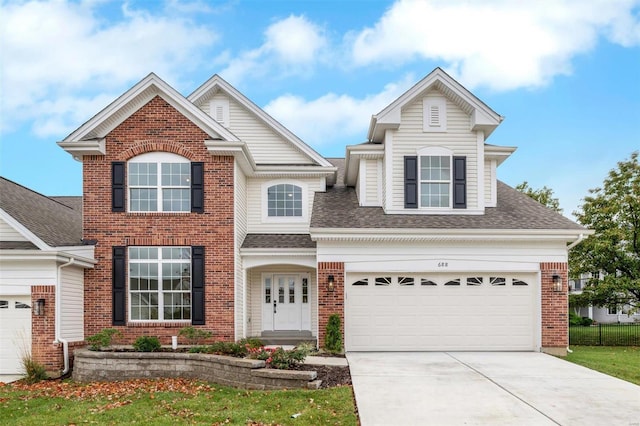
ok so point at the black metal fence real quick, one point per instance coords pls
(605, 335)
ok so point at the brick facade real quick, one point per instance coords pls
(330, 302)
(555, 306)
(157, 126)
(43, 329)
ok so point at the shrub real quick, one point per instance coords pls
(222, 348)
(229, 348)
(146, 344)
(278, 357)
(251, 342)
(586, 321)
(194, 336)
(34, 371)
(102, 339)
(333, 335)
(575, 319)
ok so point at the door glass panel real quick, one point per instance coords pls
(267, 290)
(292, 290)
(280, 290)
(305, 290)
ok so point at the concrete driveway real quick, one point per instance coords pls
(487, 388)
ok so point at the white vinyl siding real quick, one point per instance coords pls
(410, 137)
(72, 295)
(256, 208)
(489, 183)
(265, 145)
(373, 178)
(240, 206)
(25, 273)
(8, 233)
(255, 302)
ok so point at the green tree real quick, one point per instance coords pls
(544, 195)
(613, 212)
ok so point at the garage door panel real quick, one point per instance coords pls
(15, 332)
(439, 317)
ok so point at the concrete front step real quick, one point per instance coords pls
(287, 337)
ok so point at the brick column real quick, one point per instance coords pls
(330, 302)
(43, 331)
(555, 309)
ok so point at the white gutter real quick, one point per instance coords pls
(58, 315)
(576, 242)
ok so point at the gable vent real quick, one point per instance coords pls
(219, 114)
(219, 110)
(434, 116)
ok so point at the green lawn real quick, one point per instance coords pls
(618, 361)
(170, 402)
(606, 335)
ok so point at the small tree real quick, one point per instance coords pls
(613, 212)
(333, 335)
(544, 195)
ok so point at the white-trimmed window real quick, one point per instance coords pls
(284, 201)
(435, 174)
(159, 182)
(160, 283)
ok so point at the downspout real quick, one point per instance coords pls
(59, 339)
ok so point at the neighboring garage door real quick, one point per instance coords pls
(388, 312)
(15, 332)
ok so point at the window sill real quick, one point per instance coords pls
(148, 214)
(155, 324)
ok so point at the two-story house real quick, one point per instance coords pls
(204, 210)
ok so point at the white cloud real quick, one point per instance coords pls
(292, 46)
(318, 121)
(64, 49)
(496, 43)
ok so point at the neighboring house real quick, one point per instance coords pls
(42, 262)
(205, 210)
(600, 315)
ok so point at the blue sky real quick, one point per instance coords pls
(565, 74)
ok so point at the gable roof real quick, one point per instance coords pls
(47, 222)
(88, 139)
(482, 117)
(338, 208)
(217, 83)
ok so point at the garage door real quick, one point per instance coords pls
(15, 332)
(386, 312)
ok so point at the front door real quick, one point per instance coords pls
(286, 302)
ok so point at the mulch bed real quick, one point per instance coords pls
(330, 375)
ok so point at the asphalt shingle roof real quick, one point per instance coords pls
(338, 208)
(278, 241)
(55, 223)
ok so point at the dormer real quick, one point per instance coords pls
(430, 150)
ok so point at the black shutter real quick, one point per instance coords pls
(410, 182)
(459, 182)
(119, 285)
(197, 187)
(117, 186)
(197, 285)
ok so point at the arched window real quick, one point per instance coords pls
(284, 199)
(159, 182)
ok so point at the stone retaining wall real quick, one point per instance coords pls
(90, 366)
